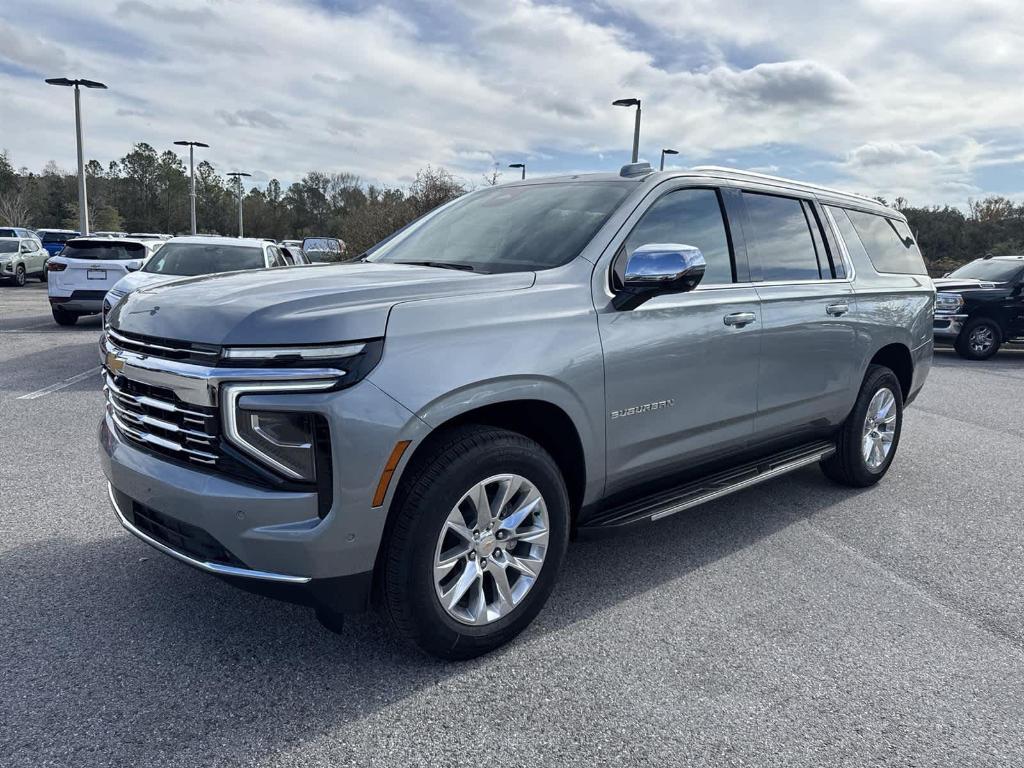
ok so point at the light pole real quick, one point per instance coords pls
(636, 130)
(83, 203)
(192, 174)
(237, 175)
(519, 165)
(666, 152)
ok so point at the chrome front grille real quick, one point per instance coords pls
(154, 417)
(167, 349)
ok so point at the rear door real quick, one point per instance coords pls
(809, 363)
(95, 265)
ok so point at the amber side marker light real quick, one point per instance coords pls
(389, 470)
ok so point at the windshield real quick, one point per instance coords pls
(202, 259)
(509, 229)
(103, 251)
(8, 246)
(990, 270)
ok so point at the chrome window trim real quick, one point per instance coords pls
(218, 568)
(229, 415)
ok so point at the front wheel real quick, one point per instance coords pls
(480, 531)
(19, 275)
(867, 441)
(979, 339)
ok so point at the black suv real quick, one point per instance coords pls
(980, 306)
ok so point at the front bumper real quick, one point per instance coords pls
(260, 537)
(947, 327)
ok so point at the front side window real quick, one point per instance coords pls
(190, 259)
(781, 236)
(508, 229)
(686, 217)
(888, 242)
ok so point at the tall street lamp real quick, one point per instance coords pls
(636, 130)
(192, 174)
(519, 165)
(666, 152)
(237, 175)
(83, 203)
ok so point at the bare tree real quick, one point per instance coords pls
(493, 177)
(14, 208)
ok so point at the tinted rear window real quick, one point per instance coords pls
(199, 259)
(103, 251)
(8, 233)
(782, 238)
(56, 237)
(888, 242)
(9, 246)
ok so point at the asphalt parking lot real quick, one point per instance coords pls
(793, 624)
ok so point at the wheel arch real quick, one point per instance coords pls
(898, 359)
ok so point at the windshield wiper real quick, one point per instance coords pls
(439, 265)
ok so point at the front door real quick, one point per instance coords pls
(680, 370)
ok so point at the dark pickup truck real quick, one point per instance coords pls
(980, 306)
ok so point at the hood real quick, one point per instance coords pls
(135, 280)
(963, 284)
(309, 304)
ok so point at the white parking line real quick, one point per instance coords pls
(60, 384)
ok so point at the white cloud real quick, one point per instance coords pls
(284, 86)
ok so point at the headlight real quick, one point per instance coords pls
(285, 441)
(948, 302)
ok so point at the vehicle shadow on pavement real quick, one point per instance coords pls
(121, 655)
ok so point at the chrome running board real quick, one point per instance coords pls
(708, 488)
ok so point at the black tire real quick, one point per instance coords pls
(848, 466)
(439, 476)
(43, 276)
(19, 275)
(990, 338)
(63, 317)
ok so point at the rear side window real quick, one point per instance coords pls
(888, 242)
(103, 251)
(686, 217)
(781, 237)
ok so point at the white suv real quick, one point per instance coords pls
(21, 258)
(81, 275)
(192, 256)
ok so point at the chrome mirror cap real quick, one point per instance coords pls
(659, 268)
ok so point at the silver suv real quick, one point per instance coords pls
(426, 429)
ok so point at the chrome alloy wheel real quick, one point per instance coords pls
(491, 549)
(981, 339)
(879, 429)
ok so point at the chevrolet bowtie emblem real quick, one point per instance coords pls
(114, 363)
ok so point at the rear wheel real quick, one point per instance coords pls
(42, 275)
(979, 339)
(867, 442)
(480, 531)
(63, 317)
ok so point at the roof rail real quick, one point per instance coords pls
(783, 180)
(635, 169)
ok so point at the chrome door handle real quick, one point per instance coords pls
(838, 309)
(739, 319)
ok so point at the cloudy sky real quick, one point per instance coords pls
(911, 98)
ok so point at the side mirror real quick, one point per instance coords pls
(656, 269)
(324, 249)
(133, 266)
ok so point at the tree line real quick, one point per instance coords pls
(147, 191)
